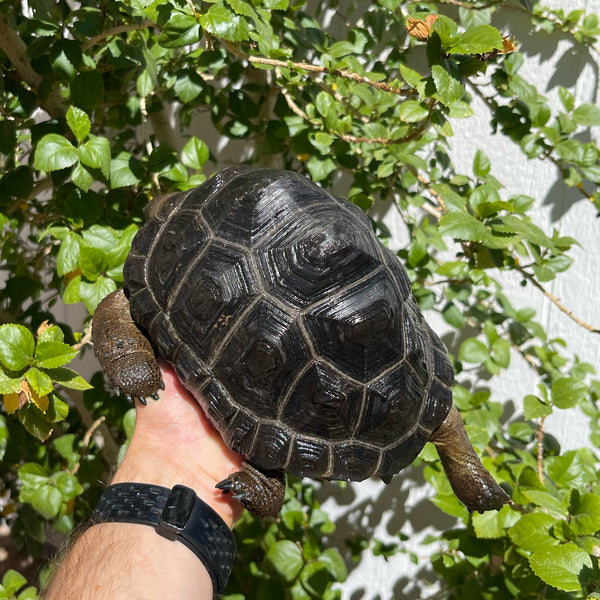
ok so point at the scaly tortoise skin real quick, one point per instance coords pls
(296, 331)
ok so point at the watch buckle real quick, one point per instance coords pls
(176, 512)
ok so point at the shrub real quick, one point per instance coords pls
(361, 96)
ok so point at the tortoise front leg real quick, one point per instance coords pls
(124, 353)
(261, 492)
(470, 480)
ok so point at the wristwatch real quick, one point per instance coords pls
(176, 514)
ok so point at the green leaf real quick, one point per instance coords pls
(566, 97)
(8, 137)
(587, 115)
(54, 152)
(32, 475)
(93, 262)
(35, 421)
(54, 354)
(241, 7)
(560, 566)
(9, 385)
(324, 103)
(319, 168)
(195, 153)
(449, 89)
(129, 422)
(71, 294)
(532, 532)
(315, 579)
(409, 75)
(463, 226)
(69, 378)
(58, 410)
(335, 563)
(95, 153)
(586, 516)
(16, 346)
(284, 560)
(51, 334)
(477, 40)
(145, 84)
(222, 22)
(567, 392)
(469, 17)
(39, 381)
(412, 111)
(64, 445)
(79, 123)
(450, 504)
(534, 408)
(4, 437)
(528, 231)
(93, 293)
(100, 237)
(493, 524)
(82, 178)
(573, 468)
(47, 500)
(548, 502)
(121, 173)
(180, 30)
(188, 85)
(29, 593)
(473, 350)
(481, 164)
(453, 315)
(501, 352)
(12, 582)
(67, 485)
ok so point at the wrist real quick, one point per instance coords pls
(147, 461)
(176, 514)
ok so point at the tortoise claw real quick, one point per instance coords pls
(143, 400)
(225, 486)
(154, 396)
(161, 385)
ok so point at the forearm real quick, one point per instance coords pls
(113, 561)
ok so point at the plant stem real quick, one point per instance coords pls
(16, 51)
(115, 31)
(317, 69)
(540, 448)
(556, 301)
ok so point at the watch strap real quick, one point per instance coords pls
(176, 514)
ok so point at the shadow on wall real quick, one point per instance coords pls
(566, 63)
(361, 518)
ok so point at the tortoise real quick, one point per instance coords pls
(296, 331)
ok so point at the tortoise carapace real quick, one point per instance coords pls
(296, 331)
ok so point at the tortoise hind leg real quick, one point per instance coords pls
(470, 480)
(260, 491)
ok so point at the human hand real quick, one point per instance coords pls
(174, 443)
